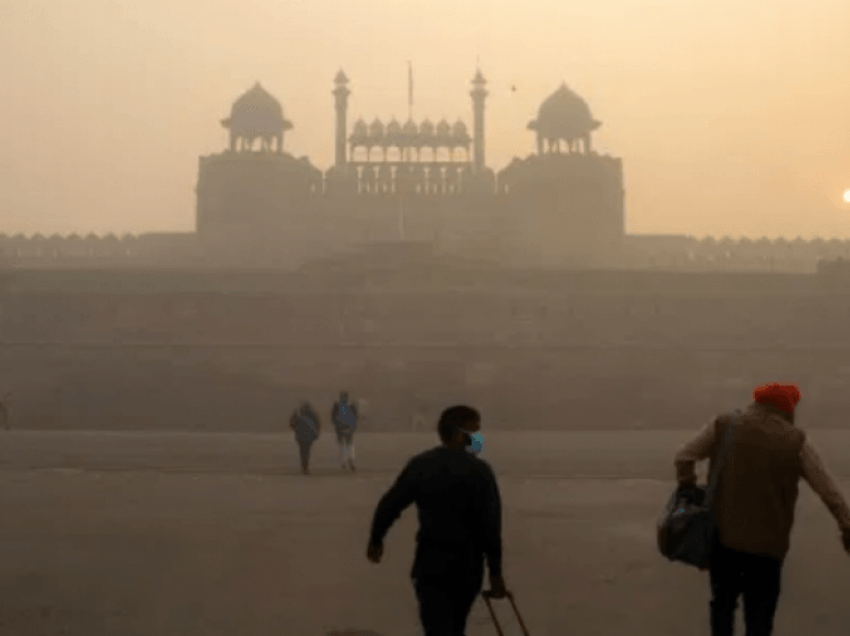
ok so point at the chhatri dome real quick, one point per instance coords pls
(563, 116)
(256, 114)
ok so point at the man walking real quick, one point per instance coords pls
(307, 427)
(460, 516)
(754, 504)
(344, 417)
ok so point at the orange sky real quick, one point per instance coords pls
(732, 116)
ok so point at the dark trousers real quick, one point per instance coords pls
(446, 587)
(304, 447)
(754, 576)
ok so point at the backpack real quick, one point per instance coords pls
(347, 415)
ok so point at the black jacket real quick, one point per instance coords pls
(340, 426)
(305, 431)
(459, 506)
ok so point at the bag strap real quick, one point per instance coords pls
(718, 464)
(309, 422)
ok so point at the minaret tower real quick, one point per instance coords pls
(341, 93)
(478, 94)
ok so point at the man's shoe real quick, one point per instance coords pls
(351, 465)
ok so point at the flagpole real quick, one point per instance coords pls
(409, 118)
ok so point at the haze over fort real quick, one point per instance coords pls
(730, 117)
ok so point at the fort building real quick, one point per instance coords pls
(417, 183)
(411, 182)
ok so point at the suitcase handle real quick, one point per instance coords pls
(487, 594)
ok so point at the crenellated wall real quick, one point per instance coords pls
(151, 249)
(495, 235)
(73, 246)
(687, 253)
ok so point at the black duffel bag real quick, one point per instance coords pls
(686, 529)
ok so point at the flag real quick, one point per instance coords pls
(410, 86)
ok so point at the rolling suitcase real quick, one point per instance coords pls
(487, 596)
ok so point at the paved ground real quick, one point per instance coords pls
(186, 535)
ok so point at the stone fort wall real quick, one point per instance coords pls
(620, 309)
(666, 352)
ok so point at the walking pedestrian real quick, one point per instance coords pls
(460, 516)
(307, 427)
(344, 416)
(754, 504)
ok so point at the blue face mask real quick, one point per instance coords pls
(477, 443)
(474, 441)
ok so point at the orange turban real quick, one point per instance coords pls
(783, 396)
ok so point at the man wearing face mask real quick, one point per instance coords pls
(460, 519)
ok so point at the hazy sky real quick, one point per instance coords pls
(732, 116)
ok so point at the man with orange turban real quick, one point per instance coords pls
(782, 396)
(754, 503)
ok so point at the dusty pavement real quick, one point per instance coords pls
(190, 535)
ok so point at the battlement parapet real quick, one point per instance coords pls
(73, 247)
(764, 254)
(56, 245)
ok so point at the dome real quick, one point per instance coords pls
(410, 128)
(443, 134)
(376, 131)
(393, 128)
(410, 134)
(256, 112)
(256, 100)
(426, 133)
(393, 136)
(563, 115)
(459, 133)
(360, 132)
